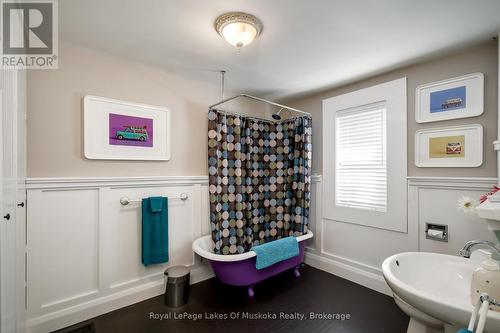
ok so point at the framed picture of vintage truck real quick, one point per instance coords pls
(449, 147)
(459, 97)
(121, 130)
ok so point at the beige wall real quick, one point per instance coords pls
(482, 58)
(55, 132)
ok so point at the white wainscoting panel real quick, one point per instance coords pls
(435, 201)
(84, 247)
(315, 209)
(63, 258)
(121, 234)
(356, 252)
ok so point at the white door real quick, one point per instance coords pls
(7, 227)
(11, 222)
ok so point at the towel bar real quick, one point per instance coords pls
(126, 200)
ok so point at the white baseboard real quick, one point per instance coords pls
(201, 273)
(348, 272)
(96, 307)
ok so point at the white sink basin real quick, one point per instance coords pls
(436, 284)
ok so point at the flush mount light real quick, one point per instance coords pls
(237, 28)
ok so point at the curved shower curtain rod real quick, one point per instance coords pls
(260, 100)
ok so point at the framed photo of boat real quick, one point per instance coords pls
(459, 97)
(448, 147)
(120, 130)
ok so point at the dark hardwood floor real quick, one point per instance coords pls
(314, 292)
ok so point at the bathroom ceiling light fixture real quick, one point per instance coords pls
(237, 28)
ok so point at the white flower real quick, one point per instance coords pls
(467, 205)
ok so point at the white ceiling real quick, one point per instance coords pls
(306, 45)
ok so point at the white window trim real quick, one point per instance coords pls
(393, 94)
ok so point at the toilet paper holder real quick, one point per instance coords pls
(437, 232)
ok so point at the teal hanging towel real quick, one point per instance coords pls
(154, 230)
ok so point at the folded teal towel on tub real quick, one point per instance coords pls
(154, 230)
(273, 252)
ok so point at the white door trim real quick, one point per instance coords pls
(12, 277)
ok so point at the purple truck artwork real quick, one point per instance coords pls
(130, 131)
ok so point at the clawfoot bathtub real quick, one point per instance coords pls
(239, 269)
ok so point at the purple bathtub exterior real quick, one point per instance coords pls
(244, 273)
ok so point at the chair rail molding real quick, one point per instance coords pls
(84, 182)
(480, 183)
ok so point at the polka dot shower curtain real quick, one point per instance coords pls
(259, 177)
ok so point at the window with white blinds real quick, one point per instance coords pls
(365, 157)
(361, 158)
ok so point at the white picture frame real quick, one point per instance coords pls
(122, 130)
(449, 147)
(458, 97)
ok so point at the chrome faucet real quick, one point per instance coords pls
(465, 251)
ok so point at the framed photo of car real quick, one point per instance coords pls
(120, 130)
(448, 147)
(459, 97)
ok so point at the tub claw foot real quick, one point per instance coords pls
(296, 272)
(250, 291)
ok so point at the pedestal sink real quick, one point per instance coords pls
(434, 289)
